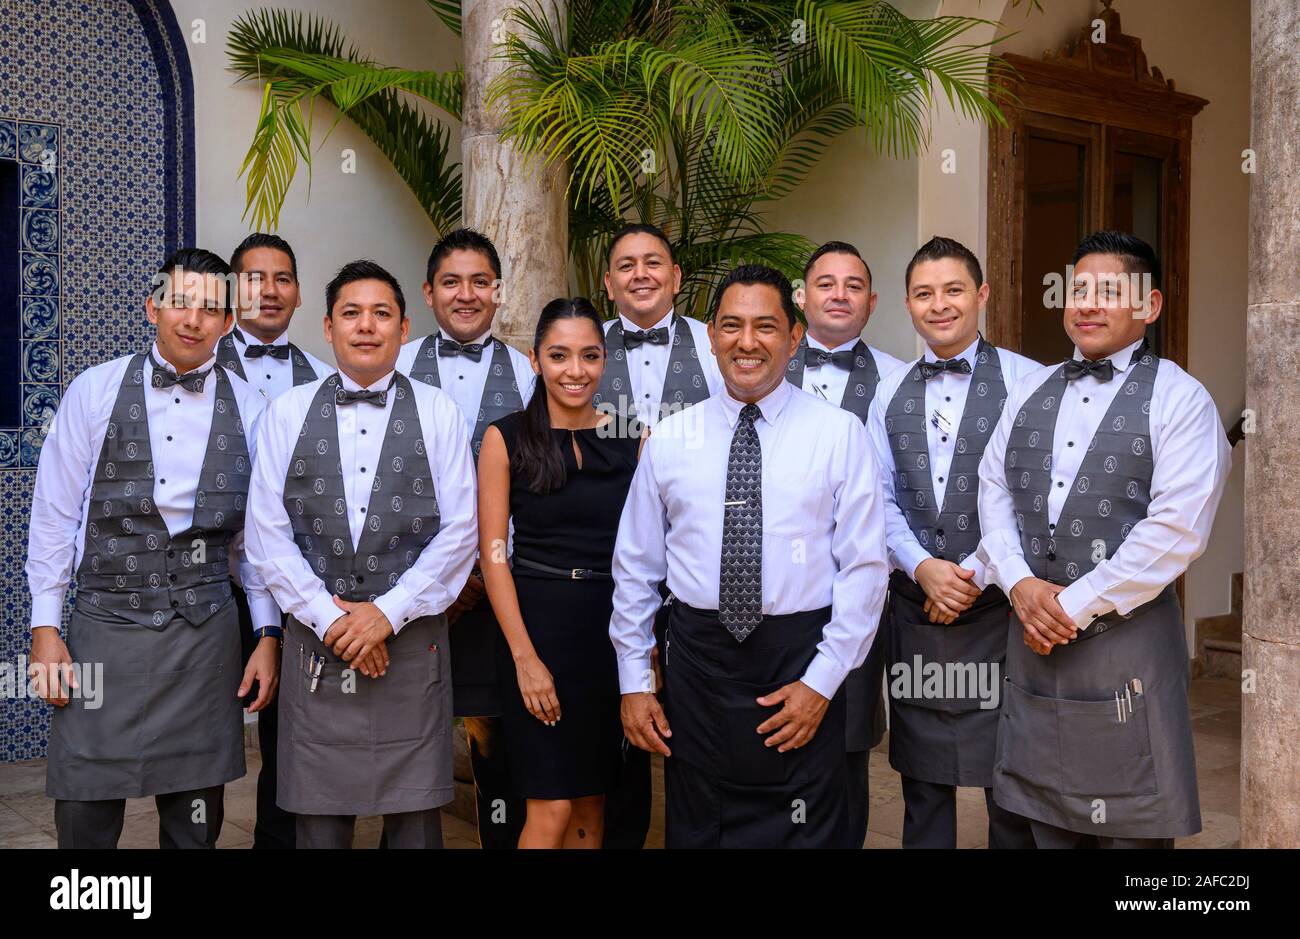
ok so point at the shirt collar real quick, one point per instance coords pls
(1121, 359)
(350, 385)
(629, 326)
(968, 353)
(770, 406)
(158, 357)
(816, 344)
(481, 340)
(280, 340)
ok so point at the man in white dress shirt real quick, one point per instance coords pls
(764, 514)
(833, 363)
(364, 531)
(140, 495)
(1097, 491)
(258, 350)
(929, 425)
(487, 379)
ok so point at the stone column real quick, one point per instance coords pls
(1270, 733)
(518, 204)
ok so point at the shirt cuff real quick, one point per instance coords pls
(910, 556)
(1010, 571)
(824, 675)
(264, 612)
(47, 610)
(322, 613)
(981, 578)
(1081, 604)
(398, 606)
(635, 675)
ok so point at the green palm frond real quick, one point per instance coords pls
(449, 12)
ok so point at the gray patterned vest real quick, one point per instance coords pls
(131, 566)
(863, 378)
(401, 517)
(500, 392)
(228, 357)
(684, 382)
(1112, 489)
(950, 532)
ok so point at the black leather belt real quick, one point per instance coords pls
(567, 573)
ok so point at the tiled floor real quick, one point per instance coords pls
(27, 816)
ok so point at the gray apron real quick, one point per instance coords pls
(1069, 755)
(366, 746)
(169, 720)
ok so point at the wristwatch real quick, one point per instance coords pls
(263, 631)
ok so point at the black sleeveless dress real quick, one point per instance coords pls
(567, 620)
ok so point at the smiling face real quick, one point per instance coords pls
(837, 299)
(642, 280)
(366, 329)
(753, 340)
(268, 294)
(191, 317)
(1108, 308)
(570, 362)
(463, 294)
(944, 302)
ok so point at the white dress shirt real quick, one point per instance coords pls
(179, 423)
(464, 379)
(945, 398)
(823, 527)
(432, 583)
(269, 376)
(647, 364)
(828, 381)
(1192, 460)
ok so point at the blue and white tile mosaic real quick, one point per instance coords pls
(96, 126)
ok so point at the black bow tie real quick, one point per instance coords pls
(378, 398)
(635, 337)
(165, 378)
(450, 347)
(275, 352)
(842, 359)
(1077, 368)
(930, 369)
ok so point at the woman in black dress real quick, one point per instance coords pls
(560, 471)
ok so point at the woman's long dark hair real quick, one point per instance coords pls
(537, 457)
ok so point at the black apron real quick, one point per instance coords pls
(948, 739)
(731, 790)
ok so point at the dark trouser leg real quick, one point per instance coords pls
(95, 825)
(500, 814)
(414, 829)
(859, 795)
(1050, 836)
(1007, 829)
(324, 831)
(191, 819)
(691, 810)
(930, 814)
(627, 808)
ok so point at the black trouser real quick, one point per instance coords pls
(273, 827)
(189, 819)
(421, 829)
(859, 795)
(500, 813)
(1050, 836)
(930, 818)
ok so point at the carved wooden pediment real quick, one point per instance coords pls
(1120, 55)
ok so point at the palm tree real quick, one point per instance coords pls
(695, 115)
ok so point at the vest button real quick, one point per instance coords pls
(171, 554)
(171, 578)
(175, 603)
(938, 531)
(361, 579)
(1051, 555)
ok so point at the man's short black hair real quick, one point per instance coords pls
(835, 247)
(196, 261)
(938, 248)
(462, 239)
(262, 240)
(750, 274)
(638, 228)
(354, 271)
(1138, 256)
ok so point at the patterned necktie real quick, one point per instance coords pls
(817, 357)
(1102, 371)
(450, 347)
(930, 369)
(166, 378)
(740, 589)
(635, 337)
(378, 398)
(275, 352)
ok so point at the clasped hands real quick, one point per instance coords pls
(1044, 620)
(949, 589)
(359, 637)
